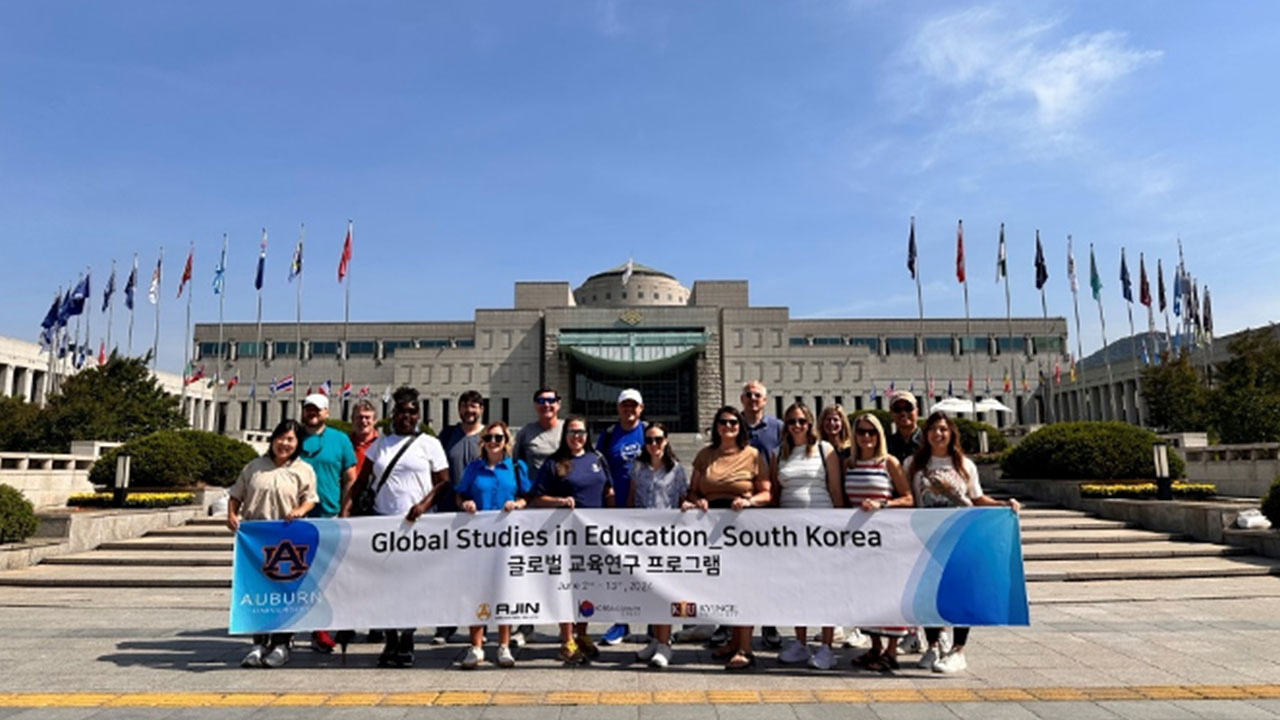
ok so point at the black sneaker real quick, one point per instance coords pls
(376, 637)
(771, 637)
(720, 637)
(442, 635)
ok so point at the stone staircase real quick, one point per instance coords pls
(1058, 546)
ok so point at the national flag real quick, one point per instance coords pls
(1002, 262)
(131, 284)
(911, 249)
(960, 250)
(1146, 356)
(1008, 383)
(220, 272)
(968, 386)
(78, 296)
(627, 272)
(386, 394)
(1177, 291)
(1095, 280)
(1144, 288)
(253, 390)
(64, 309)
(1208, 315)
(233, 381)
(986, 388)
(186, 272)
(50, 322)
(1072, 370)
(1160, 284)
(1042, 268)
(891, 389)
(286, 383)
(364, 391)
(262, 262)
(81, 353)
(873, 391)
(1057, 371)
(950, 392)
(1126, 287)
(346, 390)
(110, 289)
(270, 388)
(153, 291)
(1071, 267)
(102, 353)
(197, 375)
(345, 260)
(1024, 379)
(62, 346)
(295, 265)
(326, 388)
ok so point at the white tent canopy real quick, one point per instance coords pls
(956, 405)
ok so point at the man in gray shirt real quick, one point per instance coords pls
(461, 445)
(534, 444)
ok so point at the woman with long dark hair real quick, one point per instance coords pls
(941, 476)
(730, 473)
(575, 476)
(658, 482)
(275, 486)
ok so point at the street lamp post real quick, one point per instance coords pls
(1164, 485)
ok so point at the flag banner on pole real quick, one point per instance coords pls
(364, 391)
(186, 273)
(262, 261)
(49, 322)
(1071, 267)
(386, 394)
(873, 392)
(102, 353)
(960, 251)
(1177, 291)
(153, 291)
(110, 289)
(233, 381)
(1095, 280)
(1042, 268)
(1126, 287)
(131, 285)
(1160, 284)
(1208, 314)
(220, 272)
(1144, 288)
(346, 390)
(1057, 371)
(79, 295)
(628, 271)
(326, 388)
(345, 260)
(911, 249)
(295, 265)
(286, 383)
(914, 567)
(1002, 261)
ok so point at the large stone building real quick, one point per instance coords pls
(688, 349)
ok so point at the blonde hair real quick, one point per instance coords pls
(506, 432)
(844, 439)
(882, 444)
(810, 436)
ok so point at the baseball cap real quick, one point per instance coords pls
(904, 395)
(317, 399)
(630, 394)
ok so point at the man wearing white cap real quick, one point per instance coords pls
(620, 444)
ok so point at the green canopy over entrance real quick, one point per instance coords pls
(632, 354)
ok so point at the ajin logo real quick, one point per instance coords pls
(586, 608)
(285, 561)
(483, 613)
(684, 610)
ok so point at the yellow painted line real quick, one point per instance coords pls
(410, 698)
(469, 698)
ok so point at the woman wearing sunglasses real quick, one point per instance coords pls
(658, 482)
(730, 473)
(806, 472)
(575, 476)
(873, 479)
(494, 481)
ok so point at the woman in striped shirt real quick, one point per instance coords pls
(873, 479)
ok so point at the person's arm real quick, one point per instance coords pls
(610, 497)
(694, 499)
(358, 484)
(300, 511)
(835, 480)
(761, 486)
(979, 498)
(900, 484)
(233, 514)
(542, 493)
(631, 492)
(423, 505)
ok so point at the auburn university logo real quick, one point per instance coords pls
(285, 561)
(483, 613)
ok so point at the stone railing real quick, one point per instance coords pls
(46, 479)
(1237, 470)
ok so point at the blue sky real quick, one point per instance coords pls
(479, 143)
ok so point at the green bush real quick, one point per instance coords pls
(1087, 451)
(884, 416)
(17, 517)
(176, 458)
(971, 429)
(1271, 503)
(1147, 491)
(341, 426)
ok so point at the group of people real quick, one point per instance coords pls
(753, 460)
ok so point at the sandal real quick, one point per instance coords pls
(882, 664)
(724, 652)
(866, 659)
(748, 661)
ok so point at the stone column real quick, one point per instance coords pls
(6, 381)
(28, 385)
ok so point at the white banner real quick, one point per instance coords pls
(779, 567)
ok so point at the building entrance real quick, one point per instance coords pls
(669, 396)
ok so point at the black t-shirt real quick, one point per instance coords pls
(903, 449)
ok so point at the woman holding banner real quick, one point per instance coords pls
(729, 473)
(658, 482)
(941, 476)
(494, 481)
(575, 476)
(873, 479)
(806, 472)
(275, 486)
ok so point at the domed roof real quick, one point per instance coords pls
(636, 269)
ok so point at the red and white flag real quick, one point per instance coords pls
(186, 273)
(102, 353)
(364, 391)
(346, 255)
(960, 250)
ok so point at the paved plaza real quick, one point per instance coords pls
(1175, 647)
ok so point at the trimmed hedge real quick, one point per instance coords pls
(969, 431)
(18, 519)
(1271, 503)
(1146, 491)
(134, 500)
(1087, 451)
(176, 458)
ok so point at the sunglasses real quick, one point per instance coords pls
(495, 438)
(753, 395)
(576, 433)
(727, 422)
(902, 408)
(867, 432)
(655, 440)
(547, 400)
(797, 422)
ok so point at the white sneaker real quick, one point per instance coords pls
(473, 657)
(944, 641)
(505, 658)
(661, 657)
(278, 656)
(951, 663)
(911, 644)
(254, 658)
(838, 637)
(824, 659)
(855, 639)
(518, 639)
(795, 653)
(927, 660)
(646, 653)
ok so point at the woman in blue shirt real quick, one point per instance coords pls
(575, 476)
(493, 481)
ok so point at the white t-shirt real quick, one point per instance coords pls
(939, 485)
(410, 479)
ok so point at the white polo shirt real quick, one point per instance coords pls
(410, 479)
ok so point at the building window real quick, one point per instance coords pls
(324, 348)
(668, 296)
(433, 343)
(1008, 344)
(1047, 345)
(640, 294)
(870, 343)
(608, 296)
(975, 346)
(361, 347)
(389, 347)
(828, 341)
(285, 349)
(900, 346)
(466, 343)
(937, 345)
(799, 341)
(247, 349)
(210, 349)
(624, 294)
(840, 402)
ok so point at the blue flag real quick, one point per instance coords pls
(262, 261)
(131, 284)
(1177, 292)
(64, 309)
(78, 297)
(219, 272)
(50, 322)
(1126, 287)
(110, 289)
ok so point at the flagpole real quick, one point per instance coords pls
(1106, 350)
(222, 354)
(920, 305)
(257, 357)
(1051, 413)
(298, 321)
(186, 342)
(155, 342)
(129, 349)
(111, 299)
(346, 316)
(88, 314)
(968, 331)
(1008, 312)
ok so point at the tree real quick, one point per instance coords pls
(20, 425)
(1175, 398)
(119, 401)
(1246, 401)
